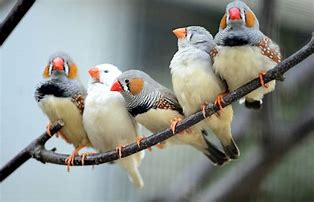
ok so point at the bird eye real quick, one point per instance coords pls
(126, 81)
(106, 71)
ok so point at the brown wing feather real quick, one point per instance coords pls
(164, 103)
(79, 101)
(271, 52)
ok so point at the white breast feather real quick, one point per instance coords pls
(239, 65)
(63, 108)
(107, 121)
(194, 83)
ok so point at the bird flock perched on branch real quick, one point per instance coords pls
(116, 104)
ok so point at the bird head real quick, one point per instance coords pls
(238, 13)
(104, 74)
(130, 83)
(238, 26)
(60, 64)
(196, 36)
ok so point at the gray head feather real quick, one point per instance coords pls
(237, 29)
(197, 37)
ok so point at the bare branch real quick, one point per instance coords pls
(28, 152)
(51, 157)
(14, 17)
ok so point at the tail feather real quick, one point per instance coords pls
(254, 104)
(131, 164)
(213, 153)
(232, 150)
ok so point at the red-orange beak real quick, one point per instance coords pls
(116, 86)
(94, 73)
(234, 13)
(57, 64)
(180, 32)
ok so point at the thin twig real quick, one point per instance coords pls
(14, 17)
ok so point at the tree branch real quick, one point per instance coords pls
(14, 17)
(44, 155)
(28, 151)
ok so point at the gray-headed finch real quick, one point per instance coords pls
(156, 107)
(244, 52)
(61, 96)
(195, 83)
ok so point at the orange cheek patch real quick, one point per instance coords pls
(223, 22)
(46, 72)
(250, 19)
(72, 71)
(136, 85)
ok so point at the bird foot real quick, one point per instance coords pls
(119, 149)
(70, 159)
(84, 155)
(261, 79)
(174, 123)
(203, 109)
(48, 128)
(219, 100)
(138, 140)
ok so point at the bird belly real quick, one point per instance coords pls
(157, 119)
(195, 86)
(239, 65)
(108, 124)
(63, 108)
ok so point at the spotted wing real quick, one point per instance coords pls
(270, 49)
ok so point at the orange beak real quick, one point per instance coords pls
(234, 13)
(57, 64)
(94, 73)
(180, 32)
(116, 86)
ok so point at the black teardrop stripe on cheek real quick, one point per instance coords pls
(49, 89)
(138, 110)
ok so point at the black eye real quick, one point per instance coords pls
(106, 71)
(126, 81)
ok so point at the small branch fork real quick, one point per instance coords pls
(37, 150)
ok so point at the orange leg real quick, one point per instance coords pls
(119, 149)
(70, 160)
(220, 99)
(48, 128)
(203, 109)
(174, 123)
(261, 79)
(138, 140)
(149, 149)
(84, 155)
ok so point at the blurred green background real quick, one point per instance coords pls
(276, 143)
